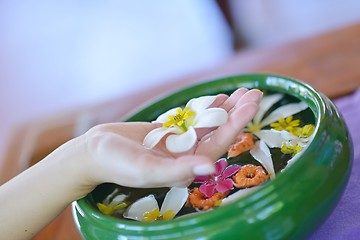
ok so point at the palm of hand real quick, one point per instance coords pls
(120, 157)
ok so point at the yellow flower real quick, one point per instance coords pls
(118, 202)
(288, 149)
(179, 118)
(109, 209)
(146, 209)
(287, 124)
(305, 131)
(156, 215)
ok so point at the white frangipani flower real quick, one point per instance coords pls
(146, 209)
(117, 203)
(270, 138)
(181, 124)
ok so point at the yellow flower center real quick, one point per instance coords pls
(179, 119)
(108, 209)
(305, 132)
(253, 127)
(287, 149)
(155, 215)
(287, 124)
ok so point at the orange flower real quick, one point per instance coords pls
(244, 142)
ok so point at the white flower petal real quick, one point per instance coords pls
(201, 103)
(137, 210)
(266, 103)
(174, 200)
(118, 199)
(283, 112)
(164, 117)
(211, 117)
(261, 153)
(287, 136)
(272, 138)
(154, 136)
(238, 195)
(106, 201)
(181, 143)
(304, 143)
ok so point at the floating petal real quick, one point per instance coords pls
(208, 189)
(220, 166)
(261, 153)
(201, 179)
(118, 199)
(137, 210)
(174, 200)
(232, 169)
(272, 138)
(106, 201)
(283, 112)
(225, 185)
(266, 103)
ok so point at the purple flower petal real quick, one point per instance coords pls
(230, 171)
(202, 179)
(207, 189)
(224, 185)
(220, 165)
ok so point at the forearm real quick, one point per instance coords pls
(36, 196)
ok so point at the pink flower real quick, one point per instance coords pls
(218, 181)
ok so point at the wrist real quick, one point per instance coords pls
(69, 165)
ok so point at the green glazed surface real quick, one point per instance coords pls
(290, 207)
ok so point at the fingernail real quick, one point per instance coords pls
(260, 95)
(203, 169)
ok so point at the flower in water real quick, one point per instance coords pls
(146, 209)
(243, 143)
(116, 204)
(181, 124)
(249, 176)
(304, 132)
(199, 201)
(219, 181)
(282, 112)
(294, 142)
(287, 124)
(280, 118)
(288, 149)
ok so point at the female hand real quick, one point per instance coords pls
(115, 152)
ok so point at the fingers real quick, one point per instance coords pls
(167, 172)
(234, 97)
(254, 95)
(216, 143)
(220, 99)
(243, 105)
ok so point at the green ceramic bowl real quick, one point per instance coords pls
(291, 206)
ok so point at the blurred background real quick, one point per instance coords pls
(57, 56)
